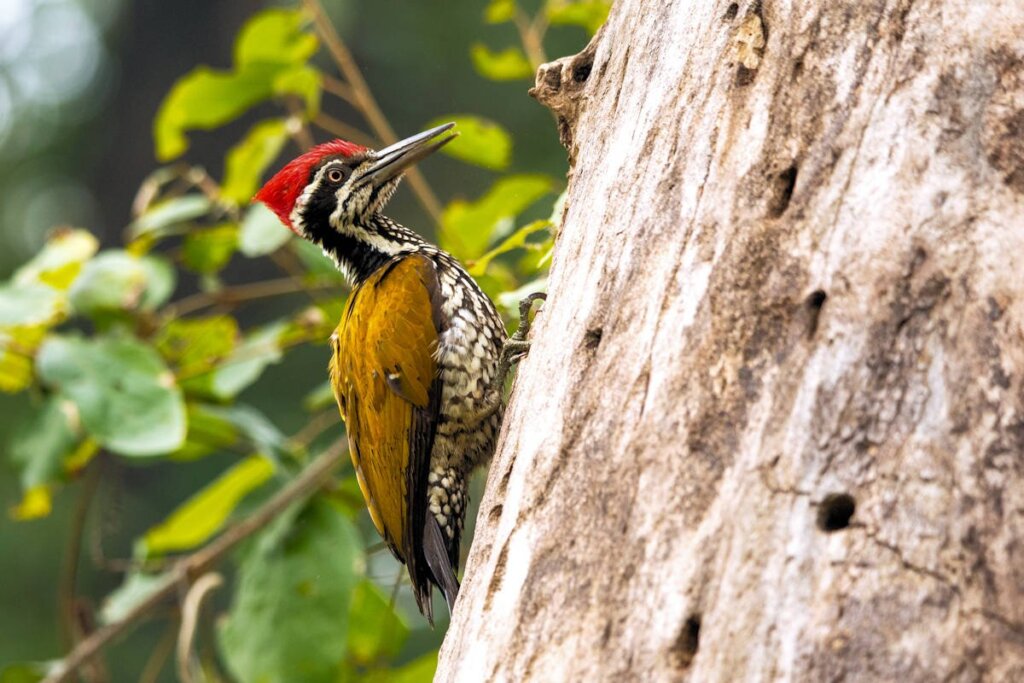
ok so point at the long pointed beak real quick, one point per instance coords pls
(392, 161)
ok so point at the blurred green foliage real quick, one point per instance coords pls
(117, 363)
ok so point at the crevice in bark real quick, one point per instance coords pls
(687, 643)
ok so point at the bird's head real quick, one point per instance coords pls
(339, 182)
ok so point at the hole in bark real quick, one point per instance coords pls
(581, 71)
(744, 76)
(782, 191)
(592, 339)
(814, 301)
(798, 68)
(730, 13)
(835, 512)
(688, 641)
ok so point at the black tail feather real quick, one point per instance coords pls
(435, 551)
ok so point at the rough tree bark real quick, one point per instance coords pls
(772, 425)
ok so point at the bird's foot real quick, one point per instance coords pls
(514, 350)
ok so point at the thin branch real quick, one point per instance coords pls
(72, 553)
(203, 586)
(531, 34)
(240, 293)
(296, 125)
(203, 560)
(343, 130)
(338, 89)
(363, 99)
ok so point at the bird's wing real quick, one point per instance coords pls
(385, 379)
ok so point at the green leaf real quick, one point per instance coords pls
(275, 36)
(204, 514)
(30, 304)
(417, 671)
(23, 672)
(60, 260)
(160, 282)
(270, 56)
(467, 227)
(262, 434)
(262, 232)
(208, 250)
(375, 629)
(117, 281)
(317, 265)
(508, 65)
(590, 14)
(41, 442)
(196, 345)
(209, 431)
(170, 217)
(137, 587)
(303, 81)
(248, 362)
(481, 142)
(500, 11)
(206, 99)
(247, 160)
(126, 397)
(514, 241)
(289, 617)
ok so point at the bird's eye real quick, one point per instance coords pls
(336, 174)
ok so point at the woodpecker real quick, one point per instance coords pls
(420, 355)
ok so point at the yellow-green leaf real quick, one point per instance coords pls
(208, 250)
(276, 36)
(35, 503)
(468, 227)
(18, 344)
(59, 261)
(204, 514)
(500, 11)
(514, 241)
(590, 14)
(508, 65)
(481, 142)
(197, 345)
(247, 160)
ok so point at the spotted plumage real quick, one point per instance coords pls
(414, 357)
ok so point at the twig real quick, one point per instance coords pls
(532, 36)
(198, 563)
(343, 130)
(297, 127)
(69, 567)
(203, 586)
(239, 293)
(339, 89)
(363, 99)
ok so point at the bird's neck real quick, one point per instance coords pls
(362, 247)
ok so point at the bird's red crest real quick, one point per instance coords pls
(281, 191)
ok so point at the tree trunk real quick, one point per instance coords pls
(772, 425)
